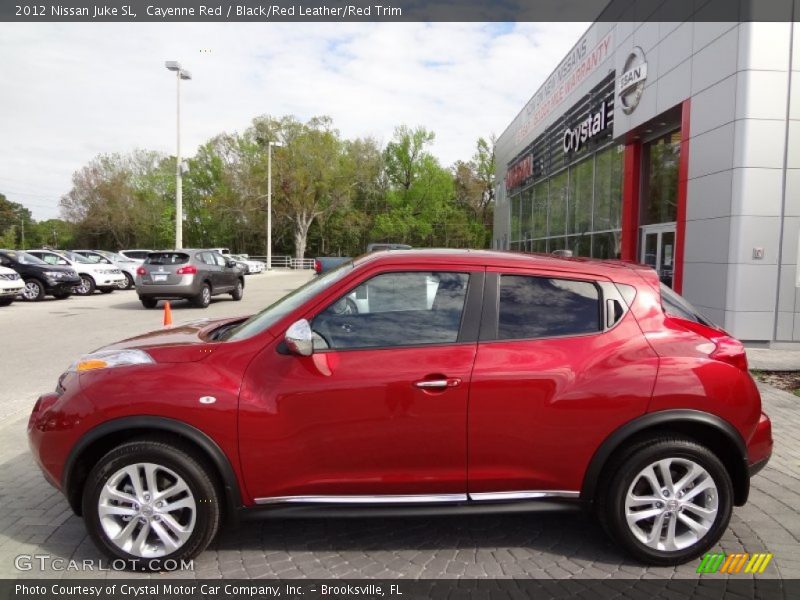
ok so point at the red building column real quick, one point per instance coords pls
(631, 185)
(683, 187)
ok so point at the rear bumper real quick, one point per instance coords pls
(168, 291)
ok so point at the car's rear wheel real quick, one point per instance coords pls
(149, 503)
(669, 500)
(238, 292)
(87, 286)
(34, 290)
(149, 302)
(203, 299)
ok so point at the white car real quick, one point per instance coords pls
(11, 285)
(253, 266)
(128, 266)
(105, 278)
(137, 255)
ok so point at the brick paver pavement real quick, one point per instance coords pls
(35, 520)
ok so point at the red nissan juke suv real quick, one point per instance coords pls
(411, 380)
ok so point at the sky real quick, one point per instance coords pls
(71, 92)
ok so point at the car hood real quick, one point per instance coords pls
(187, 342)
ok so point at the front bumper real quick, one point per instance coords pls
(5, 292)
(759, 449)
(109, 280)
(62, 285)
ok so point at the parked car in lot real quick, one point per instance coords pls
(137, 255)
(41, 279)
(194, 275)
(250, 266)
(11, 285)
(94, 276)
(127, 266)
(590, 386)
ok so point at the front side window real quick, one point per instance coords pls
(395, 309)
(538, 307)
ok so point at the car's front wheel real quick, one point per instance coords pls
(34, 290)
(87, 286)
(669, 500)
(238, 291)
(150, 503)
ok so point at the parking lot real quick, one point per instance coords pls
(41, 339)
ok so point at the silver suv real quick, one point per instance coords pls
(194, 275)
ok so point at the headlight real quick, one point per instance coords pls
(54, 274)
(108, 359)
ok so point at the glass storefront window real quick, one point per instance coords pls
(607, 245)
(515, 229)
(579, 213)
(559, 189)
(661, 159)
(526, 225)
(608, 189)
(540, 210)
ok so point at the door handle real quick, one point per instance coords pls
(438, 384)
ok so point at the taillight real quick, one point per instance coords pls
(317, 266)
(187, 270)
(141, 271)
(726, 348)
(731, 351)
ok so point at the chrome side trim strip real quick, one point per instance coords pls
(421, 498)
(521, 495)
(386, 499)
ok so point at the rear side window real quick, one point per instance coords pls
(538, 307)
(676, 305)
(167, 258)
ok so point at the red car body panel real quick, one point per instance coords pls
(526, 415)
(540, 408)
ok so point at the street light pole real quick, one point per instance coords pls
(270, 144)
(180, 73)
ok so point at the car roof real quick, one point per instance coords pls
(498, 258)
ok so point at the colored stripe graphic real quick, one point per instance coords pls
(734, 563)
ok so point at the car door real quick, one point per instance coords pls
(561, 364)
(378, 412)
(206, 262)
(227, 275)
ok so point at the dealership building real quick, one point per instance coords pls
(672, 144)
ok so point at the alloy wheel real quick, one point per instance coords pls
(147, 510)
(31, 291)
(671, 504)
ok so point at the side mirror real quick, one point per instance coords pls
(231, 264)
(299, 338)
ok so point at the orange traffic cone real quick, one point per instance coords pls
(167, 315)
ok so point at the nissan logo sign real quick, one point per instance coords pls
(630, 84)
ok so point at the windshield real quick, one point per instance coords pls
(24, 258)
(275, 312)
(77, 258)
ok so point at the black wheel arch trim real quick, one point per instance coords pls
(221, 462)
(658, 419)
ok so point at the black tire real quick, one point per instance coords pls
(61, 295)
(629, 464)
(129, 282)
(203, 299)
(148, 302)
(34, 290)
(106, 290)
(181, 461)
(88, 286)
(6, 301)
(238, 292)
